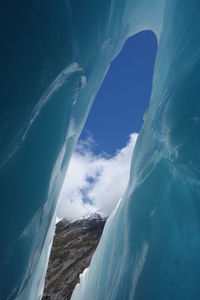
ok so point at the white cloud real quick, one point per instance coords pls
(94, 183)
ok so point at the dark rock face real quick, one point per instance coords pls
(73, 246)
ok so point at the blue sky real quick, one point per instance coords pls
(124, 95)
(117, 112)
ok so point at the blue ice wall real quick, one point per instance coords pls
(54, 55)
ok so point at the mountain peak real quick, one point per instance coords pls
(73, 246)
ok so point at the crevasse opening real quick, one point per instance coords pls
(59, 52)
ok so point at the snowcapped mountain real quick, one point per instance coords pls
(73, 246)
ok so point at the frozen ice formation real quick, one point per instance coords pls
(54, 56)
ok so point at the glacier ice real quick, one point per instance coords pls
(54, 56)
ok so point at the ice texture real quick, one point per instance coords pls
(54, 56)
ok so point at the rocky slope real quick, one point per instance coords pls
(73, 246)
